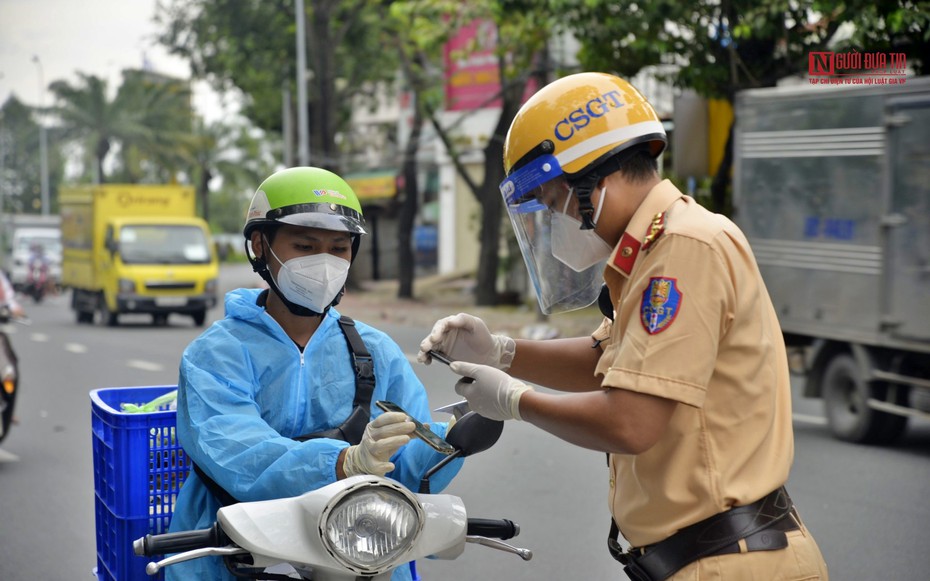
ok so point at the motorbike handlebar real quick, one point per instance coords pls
(493, 528)
(151, 545)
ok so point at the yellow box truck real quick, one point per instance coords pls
(136, 249)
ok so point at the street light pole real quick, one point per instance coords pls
(43, 138)
(303, 148)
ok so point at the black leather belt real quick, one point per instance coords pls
(762, 525)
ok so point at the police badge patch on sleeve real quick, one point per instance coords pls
(661, 302)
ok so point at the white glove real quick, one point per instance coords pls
(466, 338)
(490, 392)
(383, 436)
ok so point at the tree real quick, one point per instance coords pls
(149, 120)
(523, 29)
(157, 126)
(231, 152)
(725, 46)
(250, 46)
(20, 178)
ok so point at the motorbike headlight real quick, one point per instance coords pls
(368, 529)
(127, 286)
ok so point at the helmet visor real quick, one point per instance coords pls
(322, 215)
(533, 194)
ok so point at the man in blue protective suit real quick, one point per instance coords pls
(267, 396)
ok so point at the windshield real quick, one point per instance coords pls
(49, 245)
(159, 244)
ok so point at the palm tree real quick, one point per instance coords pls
(228, 151)
(149, 119)
(85, 113)
(159, 124)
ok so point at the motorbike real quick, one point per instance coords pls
(360, 527)
(37, 280)
(9, 374)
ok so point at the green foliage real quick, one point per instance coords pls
(20, 169)
(723, 47)
(523, 30)
(251, 46)
(246, 45)
(242, 159)
(149, 119)
(888, 26)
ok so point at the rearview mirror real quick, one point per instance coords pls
(473, 433)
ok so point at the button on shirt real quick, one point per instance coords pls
(694, 323)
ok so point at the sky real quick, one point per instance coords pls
(94, 37)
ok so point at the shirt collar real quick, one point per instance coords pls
(657, 201)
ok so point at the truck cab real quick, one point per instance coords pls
(133, 248)
(158, 266)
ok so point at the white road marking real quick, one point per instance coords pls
(39, 337)
(75, 348)
(7, 456)
(144, 365)
(808, 419)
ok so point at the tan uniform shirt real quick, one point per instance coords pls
(694, 323)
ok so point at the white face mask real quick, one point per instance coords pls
(312, 281)
(576, 248)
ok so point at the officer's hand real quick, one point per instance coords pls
(383, 436)
(466, 338)
(490, 392)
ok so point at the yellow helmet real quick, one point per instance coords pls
(583, 120)
(562, 141)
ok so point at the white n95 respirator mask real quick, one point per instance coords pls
(576, 248)
(312, 281)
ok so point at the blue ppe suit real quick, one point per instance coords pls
(245, 389)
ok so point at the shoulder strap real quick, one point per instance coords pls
(361, 361)
(352, 429)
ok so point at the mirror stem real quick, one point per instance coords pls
(424, 483)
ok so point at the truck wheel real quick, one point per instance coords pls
(84, 317)
(200, 317)
(107, 317)
(846, 395)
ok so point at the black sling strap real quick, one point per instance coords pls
(352, 429)
(605, 303)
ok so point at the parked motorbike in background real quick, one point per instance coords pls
(359, 527)
(9, 374)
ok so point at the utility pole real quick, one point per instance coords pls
(303, 147)
(43, 137)
(287, 124)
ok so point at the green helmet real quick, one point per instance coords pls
(305, 196)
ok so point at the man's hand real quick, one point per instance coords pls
(466, 338)
(489, 391)
(383, 436)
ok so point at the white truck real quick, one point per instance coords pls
(832, 188)
(22, 233)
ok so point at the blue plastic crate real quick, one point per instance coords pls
(138, 470)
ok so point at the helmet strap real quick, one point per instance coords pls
(260, 266)
(583, 187)
(585, 184)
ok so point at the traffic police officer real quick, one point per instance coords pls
(685, 384)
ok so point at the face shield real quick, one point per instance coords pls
(534, 195)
